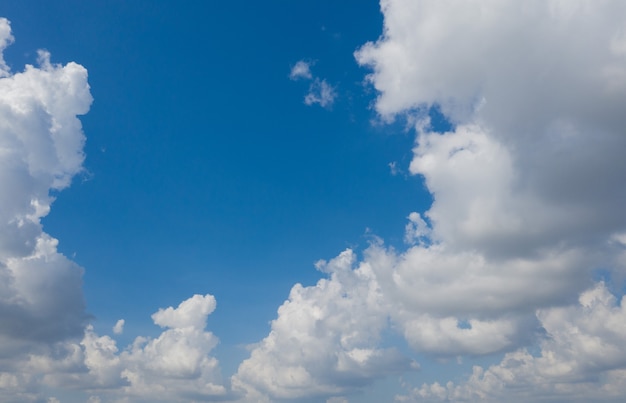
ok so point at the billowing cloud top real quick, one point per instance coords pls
(41, 148)
(528, 197)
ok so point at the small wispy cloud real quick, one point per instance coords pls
(393, 168)
(119, 327)
(320, 92)
(301, 70)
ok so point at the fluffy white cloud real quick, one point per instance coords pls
(531, 55)
(174, 366)
(325, 339)
(42, 311)
(581, 359)
(41, 149)
(528, 198)
(528, 184)
(119, 326)
(539, 135)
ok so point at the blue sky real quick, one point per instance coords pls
(448, 201)
(205, 168)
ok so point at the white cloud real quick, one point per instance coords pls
(173, 366)
(190, 313)
(393, 168)
(119, 327)
(528, 198)
(417, 230)
(41, 304)
(41, 149)
(527, 186)
(539, 125)
(301, 70)
(581, 359)
(528, 202)
(325, 339)
(6, 38)
(320, 92)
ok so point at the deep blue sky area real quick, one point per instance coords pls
(205, 171)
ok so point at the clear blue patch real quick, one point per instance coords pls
(438, 121)
(463, 324)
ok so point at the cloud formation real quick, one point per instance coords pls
(301, 70)
(581, 359)
(320, 91)
(45, 339)
(41, 149)
(527, 191)
(527, 195)
(325, 339)
(174, 366)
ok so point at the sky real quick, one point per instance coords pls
(313, 201)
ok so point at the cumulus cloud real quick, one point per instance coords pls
(581, 359)
(41, 149)
(42, 311)
(527, 185)
(528, 195)
(325, 339)
(174, 366)
(538, 121)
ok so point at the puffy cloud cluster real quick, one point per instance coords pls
(42, 311)
(527, 197)
(41, 149)
(582, 359)
(320, 91)
(539, 131)
(324, 341)
(174, 366)
(527, 193)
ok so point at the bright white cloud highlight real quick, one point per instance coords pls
(174, 366)
(324, 341)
